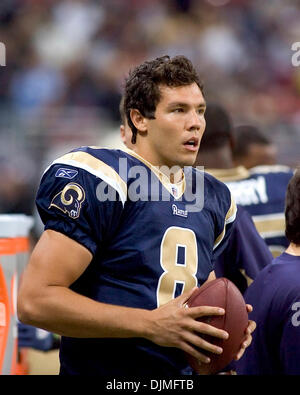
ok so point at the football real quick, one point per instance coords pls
(220, 292)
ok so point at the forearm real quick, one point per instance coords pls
(45, 300)
(62, 311)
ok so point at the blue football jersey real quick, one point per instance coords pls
(274, 295)
(150, 241)
(261, 191)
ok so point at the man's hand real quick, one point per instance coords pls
(174, 325)
(246, 343)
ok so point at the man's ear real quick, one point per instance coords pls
(139, 121)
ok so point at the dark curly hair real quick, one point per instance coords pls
(292, 209)
(142, 85)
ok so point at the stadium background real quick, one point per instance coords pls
(66, 61)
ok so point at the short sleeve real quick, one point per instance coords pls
(68, 202)
(225, 221)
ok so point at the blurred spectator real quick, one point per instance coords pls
(16, 193)
(35, 86)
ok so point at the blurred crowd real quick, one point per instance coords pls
(66, 61)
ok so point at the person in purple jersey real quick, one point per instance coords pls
(275, 296)
(105, 273)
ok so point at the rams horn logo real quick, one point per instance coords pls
(69, 200)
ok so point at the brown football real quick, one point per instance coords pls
(220, 292)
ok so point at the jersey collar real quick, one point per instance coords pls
(176, 190)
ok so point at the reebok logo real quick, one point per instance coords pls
(66, 173)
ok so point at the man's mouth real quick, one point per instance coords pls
(192, 144)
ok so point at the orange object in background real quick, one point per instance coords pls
(4, 317)
(14, 249)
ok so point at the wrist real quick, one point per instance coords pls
(144, 325)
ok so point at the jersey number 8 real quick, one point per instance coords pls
(175, 273)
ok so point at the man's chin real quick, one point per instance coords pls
(189, 161)
(182, 161)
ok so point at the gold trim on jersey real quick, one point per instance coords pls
(226, 175)
(230, 217)
(180, 186)
(96, 167)
(248, 279)
(270, 225)
(265, 169)
(276, 250)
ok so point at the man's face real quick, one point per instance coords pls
(174, 135)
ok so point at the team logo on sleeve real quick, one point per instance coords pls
(69, 200)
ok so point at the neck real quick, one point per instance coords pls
(219, 158)
(172, 174)
(293, 249)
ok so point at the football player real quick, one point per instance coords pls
(253, 148)
(245, 254)
(127, 239)
(260, 190)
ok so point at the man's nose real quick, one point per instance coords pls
(194, 122)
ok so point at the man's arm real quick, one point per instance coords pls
(45, 300)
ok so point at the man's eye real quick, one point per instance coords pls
(178, 110)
